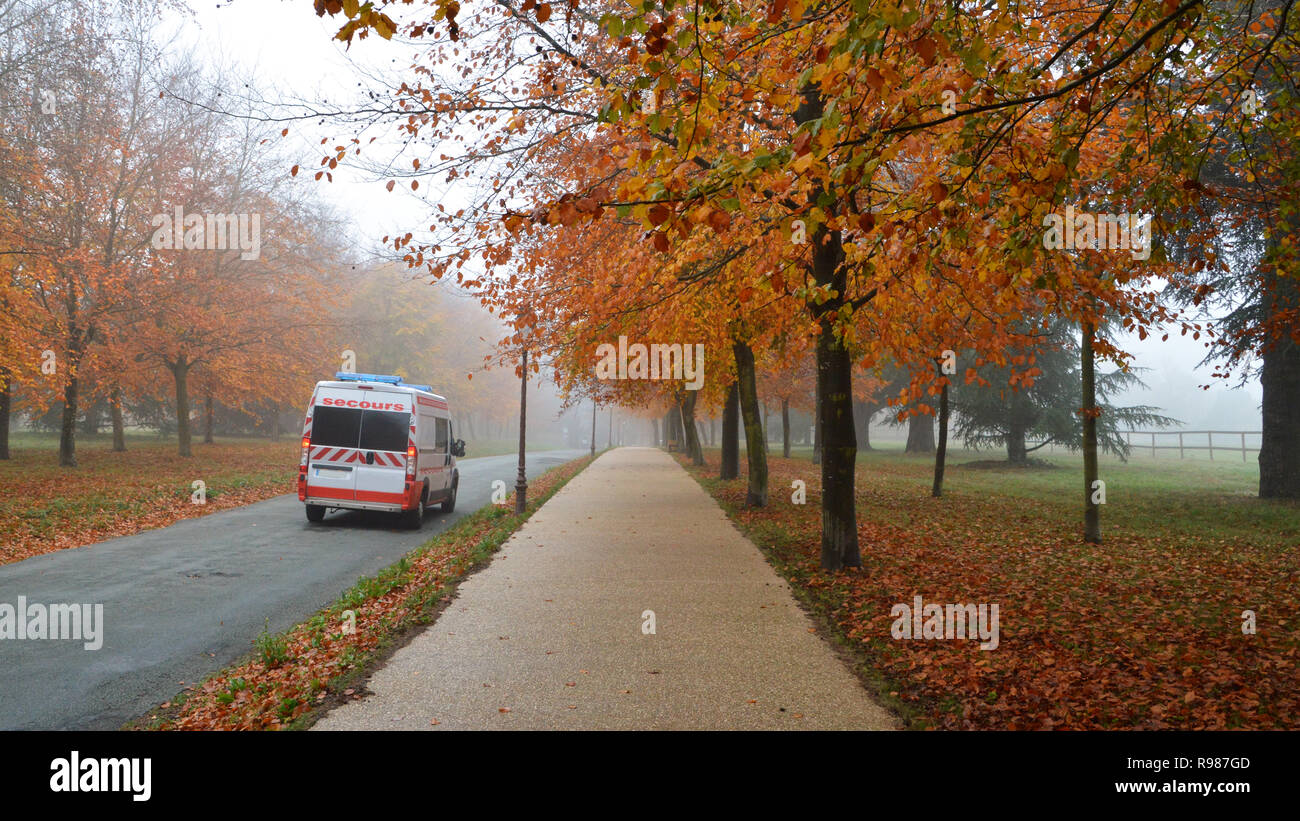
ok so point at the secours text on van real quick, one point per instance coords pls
(373, 442)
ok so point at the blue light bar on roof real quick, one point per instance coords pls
(345, 376)
(388, 379)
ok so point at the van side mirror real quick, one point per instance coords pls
(458, 448)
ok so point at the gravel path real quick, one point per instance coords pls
(551, 635)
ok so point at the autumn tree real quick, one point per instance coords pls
(884, 160)
(94, 146)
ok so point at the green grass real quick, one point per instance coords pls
(500, 447)
(271, 647)
(1215, 499)
(1218, 499)
(135, 437)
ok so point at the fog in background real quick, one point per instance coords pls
(290, 53)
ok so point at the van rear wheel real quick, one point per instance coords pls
(449, 504)
(315, 513)
(414, 517)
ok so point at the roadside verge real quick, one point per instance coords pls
(325, 660)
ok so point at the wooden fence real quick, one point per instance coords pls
(1230, 441)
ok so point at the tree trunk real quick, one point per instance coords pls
(731, 435)
(208, 414)
(920, 434)
(68, 429)
(836, 439)
(673, 424)
(181, 373)
(119, 426)
(6, 402)
(755, 441)
(593, 427)
(941, 453)
(1017, 454)
(1279, 449)
(90, 425)
(1091, 510)
(785, 427)
(862, 423)
(839, 449)
(658, 442)
(815, 433)
(692, 433)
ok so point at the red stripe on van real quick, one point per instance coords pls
(380, 496)
(330, 492)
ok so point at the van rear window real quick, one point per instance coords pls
(335, 427)
(354, 428)
(384, 430)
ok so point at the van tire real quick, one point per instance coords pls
(315, 513)
(449, 504)
(413, 519)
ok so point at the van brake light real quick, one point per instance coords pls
(306, 449)
(410, 460)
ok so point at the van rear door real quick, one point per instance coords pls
(381, 460)
(333, 439)
(335, 432)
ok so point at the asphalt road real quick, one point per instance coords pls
(183, 601)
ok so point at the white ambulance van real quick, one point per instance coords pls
(373, 442)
